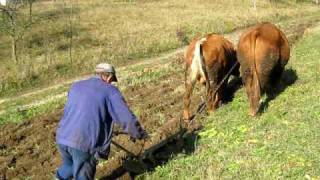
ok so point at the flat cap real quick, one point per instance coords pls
(106, 68)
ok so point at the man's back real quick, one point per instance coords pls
(86, 123)
(85, 130)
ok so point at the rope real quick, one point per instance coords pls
(225, 77)
(203, 105)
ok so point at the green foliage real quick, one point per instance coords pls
(18, 115)
(12, 21)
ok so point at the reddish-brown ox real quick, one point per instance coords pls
(208, 60)
(263, 51)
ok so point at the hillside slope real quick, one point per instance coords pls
(67, 38)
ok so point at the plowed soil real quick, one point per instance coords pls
(29, 150)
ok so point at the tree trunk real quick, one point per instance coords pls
(71, 33)
(14, 49)
(70, 49)
(30, 11)
(13, 35)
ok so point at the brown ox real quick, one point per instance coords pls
(263, 51)
(208, 60)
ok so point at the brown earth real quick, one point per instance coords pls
(28, 149)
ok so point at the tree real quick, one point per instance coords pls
(71, 32)
(11, 25)
(71, 26)
(30, 3)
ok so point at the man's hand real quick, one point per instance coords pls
(132, 139)
(144, 135)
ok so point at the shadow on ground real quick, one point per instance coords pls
(133, 166)
(289, 77)
(233, 86)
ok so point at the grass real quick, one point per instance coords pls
(148, 75)
(31, 98)
(281, 143)
(16, 115)
(120, 32)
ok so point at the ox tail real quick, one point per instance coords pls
(256, 83)
(253, 50)
(198, 65)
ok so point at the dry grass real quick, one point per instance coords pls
(120, 32)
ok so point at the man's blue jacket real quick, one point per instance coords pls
(91, 108)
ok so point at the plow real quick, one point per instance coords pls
(133, 158)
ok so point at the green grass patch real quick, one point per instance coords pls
(21, 101)
(16, 115)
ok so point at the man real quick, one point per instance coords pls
(85, 130)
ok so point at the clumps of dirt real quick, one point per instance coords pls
(168, 141)
(28, 149)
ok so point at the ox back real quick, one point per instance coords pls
(263, 51)
(208, 61)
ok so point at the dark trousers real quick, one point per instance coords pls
(76, 164)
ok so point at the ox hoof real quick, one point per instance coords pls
(252, 113)
(186, 120)
(186, 116)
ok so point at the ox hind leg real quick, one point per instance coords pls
(213, 95)
(280, 60)
(275, 78)
(252, 89)
(272, 72)
(190, 81)
(275, 83)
